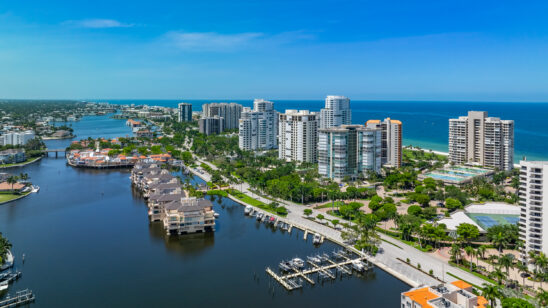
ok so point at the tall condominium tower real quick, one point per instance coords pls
(211, 125)
(336, 112)
(391, 132)
(258, 127)
(533, 198)
(184, 112)
(298, 136)
(348, 151)
(231, 112)
(480, 139)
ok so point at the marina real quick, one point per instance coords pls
(294, 272)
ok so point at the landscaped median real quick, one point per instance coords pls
(272, 207)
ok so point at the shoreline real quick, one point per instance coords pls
(22, 164)
(20, 197)
(59, 138)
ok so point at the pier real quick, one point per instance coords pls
(23, 297)
(321, 265)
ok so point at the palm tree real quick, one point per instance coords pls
(524, 271)
(24, 176)
(470, 252)
(481, 251)
(455, 252)
(499, 275)
(541, 261)
(12, 180)
(506, 261)
(542, 298)
(492, 259)
(5, 245)
(490, 292)
(500, 241)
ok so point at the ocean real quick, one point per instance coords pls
(425, 123)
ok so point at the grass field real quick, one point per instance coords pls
(22, 163)
(8, 197)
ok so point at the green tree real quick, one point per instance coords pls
(467, 232)
(414, 210)
(514, 302)
(491, 293)
(453, 204)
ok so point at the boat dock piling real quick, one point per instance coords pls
(305, 234)
(23, 297)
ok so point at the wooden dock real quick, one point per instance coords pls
(23, 297)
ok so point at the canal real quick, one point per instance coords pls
(88, 243)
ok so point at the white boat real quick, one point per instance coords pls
(216, 215)
(35, 188)
(358, 265)
(4, 285)
(248, 209)
(297, 263)
(317, 239)
(314, 259)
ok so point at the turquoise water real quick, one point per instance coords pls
(425, 123)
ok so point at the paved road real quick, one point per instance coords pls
(387, 259)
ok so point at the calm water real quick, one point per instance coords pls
(426, 123)
(88, 243)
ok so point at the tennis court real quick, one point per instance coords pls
(486, 221)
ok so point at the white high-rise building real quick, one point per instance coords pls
(298, 136)
(483, 140)
(258, 127)
(184, 112)
(231, 112)
(211, 125)
(391, 134)
(17, 138)
(348, 151)
(336, 112)
(533, 199)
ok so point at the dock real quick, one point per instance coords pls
(23, 297)
(340, 264)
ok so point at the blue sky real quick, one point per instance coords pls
(390, 50)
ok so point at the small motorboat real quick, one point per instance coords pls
(248, 210)
(216, 215)
(285, 266)
(359, 266)
(317, 239)
(4, 285)
(297, 263)
(260, 216)
(315, 259)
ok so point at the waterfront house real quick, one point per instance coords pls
(157, 202)
(12, 156)
(188, 216)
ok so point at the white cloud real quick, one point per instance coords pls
(98, 23)
(217, 42)
(211, 41)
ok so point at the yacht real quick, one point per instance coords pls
(358, 265)
(4, 285)
(297, 263)
(248, 210)
(315, 259)
(260, 216)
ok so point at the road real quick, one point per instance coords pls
(389, 255)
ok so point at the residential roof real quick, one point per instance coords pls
(421, 296)
(6, 186)
(461, 284)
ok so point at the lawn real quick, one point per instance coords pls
(254, 202)
(26, 161)
(8, 197)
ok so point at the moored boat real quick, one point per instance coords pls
(248, 210)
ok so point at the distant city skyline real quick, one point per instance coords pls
(396, 50)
